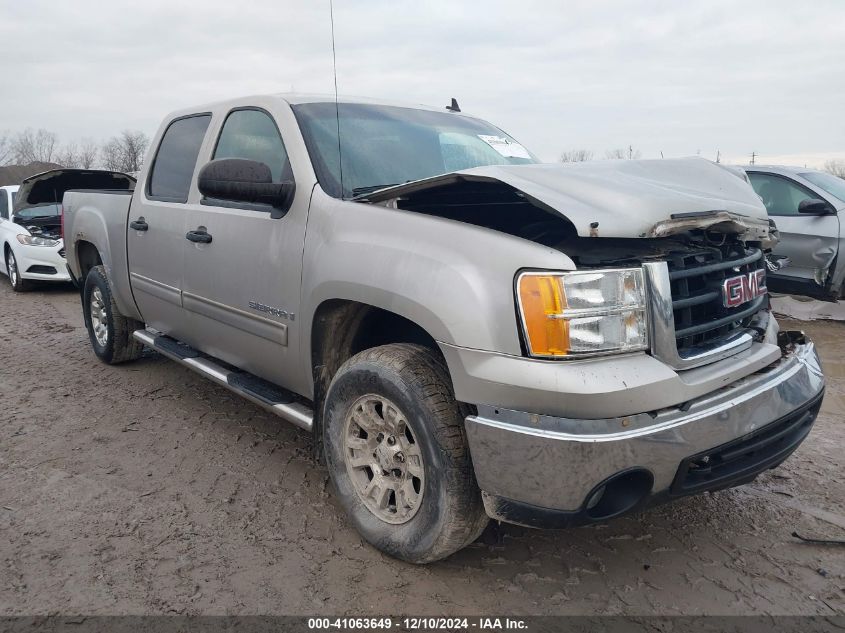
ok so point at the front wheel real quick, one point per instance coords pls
(19, 284)
(397, 453)
(109, 331)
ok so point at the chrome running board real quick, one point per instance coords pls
(266, 395)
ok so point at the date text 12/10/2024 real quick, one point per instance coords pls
(417, 624)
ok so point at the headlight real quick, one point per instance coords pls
(583, 313)
(32, 240)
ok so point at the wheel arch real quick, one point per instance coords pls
(7, 248)
(340, 328)
(87, 256)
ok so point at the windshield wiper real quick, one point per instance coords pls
(357, 192)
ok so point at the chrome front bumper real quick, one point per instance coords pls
(545, 470)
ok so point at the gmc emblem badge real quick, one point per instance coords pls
(743, 288)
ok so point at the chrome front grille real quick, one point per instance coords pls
(697, 300)
(690, 326)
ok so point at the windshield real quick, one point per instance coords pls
(389, 145)
(44, 210)
(834, 185)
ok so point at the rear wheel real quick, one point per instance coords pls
(398, 456)
(109, 331)
(19, 284)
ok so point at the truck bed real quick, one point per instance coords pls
(100, 217)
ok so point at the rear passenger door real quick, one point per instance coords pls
(242, 290)
(811, 241)
(157, 219)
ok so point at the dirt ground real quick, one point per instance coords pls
(145, 489)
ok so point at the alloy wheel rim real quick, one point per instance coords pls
(99, 318)
(383, 459)
(12, 267)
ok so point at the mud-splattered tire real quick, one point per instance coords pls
(109, 331)
(441, 508)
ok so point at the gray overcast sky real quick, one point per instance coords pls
(674, 77)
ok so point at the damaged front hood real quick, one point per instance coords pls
(622, 198)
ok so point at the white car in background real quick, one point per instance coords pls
(31, 222)
(30, 237)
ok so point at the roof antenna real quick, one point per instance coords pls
(336, 107)
(453, 107)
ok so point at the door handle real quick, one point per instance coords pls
(199, 236)
(139, 225)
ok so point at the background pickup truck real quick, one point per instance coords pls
(467, 334)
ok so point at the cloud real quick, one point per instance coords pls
(664, 77)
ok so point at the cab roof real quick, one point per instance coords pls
(299, 98)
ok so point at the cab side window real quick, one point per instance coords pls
(780, 195)
(173, 165)
(253, 135)
(4, 204)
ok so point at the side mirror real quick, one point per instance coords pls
(249, 181)
(814, 206)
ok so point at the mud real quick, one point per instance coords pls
(144, 489)
(806, 309)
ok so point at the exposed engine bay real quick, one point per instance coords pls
(501, 207)
(619, 252)
(46, 227)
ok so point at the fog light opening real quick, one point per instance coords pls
(618, 494)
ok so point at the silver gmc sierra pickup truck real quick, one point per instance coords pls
(467, 334)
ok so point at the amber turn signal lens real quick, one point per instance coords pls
(543, 302)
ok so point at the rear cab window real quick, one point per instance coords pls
(176, 158)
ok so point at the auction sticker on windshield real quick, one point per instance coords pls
(506, 147)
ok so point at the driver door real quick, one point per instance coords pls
(242, 288)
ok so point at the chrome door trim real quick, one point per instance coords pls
(156, 289)
(251, 323)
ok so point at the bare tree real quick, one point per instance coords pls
(6, 151)
(68, 156)
(87, 155)
(35, 146)
(835, 167)
(621, 152)
(125, 152)
(110, 155)
(576, 156)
